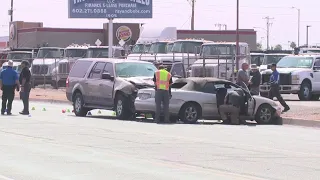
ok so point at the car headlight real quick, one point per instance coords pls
(144, 96)
(295, 78)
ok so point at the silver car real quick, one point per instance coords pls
(199, 98)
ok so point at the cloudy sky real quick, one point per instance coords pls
(54, 13)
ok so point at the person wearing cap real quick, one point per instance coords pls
(254, 84)
(9, 81)
(24, 79)
(162, 79)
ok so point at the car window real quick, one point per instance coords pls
(97, 70)
(80, 68)
(317, 63)
(209, 88)
(177, 70)
(108, 69)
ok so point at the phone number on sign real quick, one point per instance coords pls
(89, 11)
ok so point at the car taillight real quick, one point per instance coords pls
(67, 82)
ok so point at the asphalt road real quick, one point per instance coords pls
(53, 145)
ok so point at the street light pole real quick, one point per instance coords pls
(307, 41)
(11, 11)
(237, 39)
(298, 24)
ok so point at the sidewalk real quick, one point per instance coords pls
(301, 115)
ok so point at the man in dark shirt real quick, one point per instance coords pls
(24, 79)
(255, 80)
(274, 88)
(8, 82)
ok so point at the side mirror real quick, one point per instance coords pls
(107, 76)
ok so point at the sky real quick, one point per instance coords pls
(177, 13)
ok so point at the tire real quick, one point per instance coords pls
(190, 113)
(264, 94)
(79, 109)
(264, 114)
(305, 92)
(122, 108)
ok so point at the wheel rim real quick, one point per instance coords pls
(191, 114)
(306, 91)
(119, 107)
(265, 114)
(77, 104)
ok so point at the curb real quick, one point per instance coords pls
(301, 122)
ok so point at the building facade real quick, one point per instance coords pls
(34, 35)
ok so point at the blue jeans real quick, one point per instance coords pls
(24, 96)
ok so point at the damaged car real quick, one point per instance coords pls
(111, 84)
(199, 98)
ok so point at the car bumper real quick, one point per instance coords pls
(69, 96)
(278, 111)
(284, 89)
(149, 106)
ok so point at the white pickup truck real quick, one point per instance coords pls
(299, 74)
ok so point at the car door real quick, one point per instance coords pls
(177, 70)
(93, 81)
(250, 100)
(106, 87)
(208, 100)
(316, 75)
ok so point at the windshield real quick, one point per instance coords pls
(50, 53)
(98, 53)
(147, 48)
(211, 50)
(272, 59)
(76, 53)
(19, 56)
(257, 59)
(312, 51)
(156, 48)
(295, 62)
(186, 47)
(137, 49)
(135, 69)
(169, 48)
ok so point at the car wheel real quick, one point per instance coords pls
(189, 113)
(264, 94)
(79, 109)
(122, 108)
(305, 92)
(264, 114)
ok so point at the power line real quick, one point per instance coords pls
(268, 29)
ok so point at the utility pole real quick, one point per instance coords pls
(237, 45)
(268, 29)
(10, 12)
(192, 14)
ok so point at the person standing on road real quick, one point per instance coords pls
(242, 76)
(8, 82)
(274, 88)
(162, 79)
(24, 79)
(255, 80)
(232, 104)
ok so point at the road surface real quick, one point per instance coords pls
(53, 145)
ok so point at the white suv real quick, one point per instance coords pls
(299, 74)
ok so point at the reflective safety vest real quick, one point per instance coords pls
(162, 79)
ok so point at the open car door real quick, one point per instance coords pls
(177, 70)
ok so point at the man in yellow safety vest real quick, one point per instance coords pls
(162, 79)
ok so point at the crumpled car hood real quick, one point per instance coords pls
(143, 81)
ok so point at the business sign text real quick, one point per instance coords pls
(110, 8)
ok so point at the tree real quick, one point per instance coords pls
(293, 45)
(259, 46)
(278, 47)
